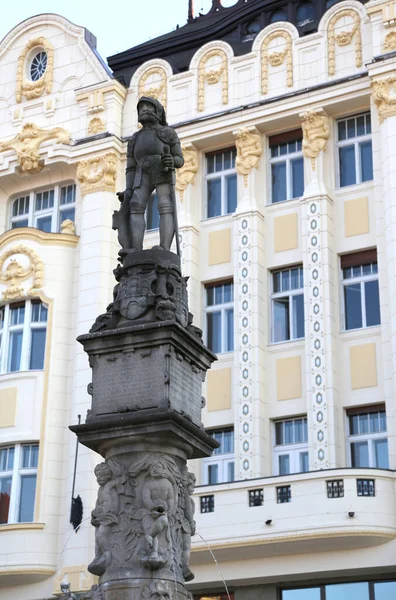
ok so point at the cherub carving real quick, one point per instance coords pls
(187, 523)
(104, 515)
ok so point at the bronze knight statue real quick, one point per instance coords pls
(152, 155)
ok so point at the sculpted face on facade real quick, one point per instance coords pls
(344, 38)
(384, 95)
(154, 83)
(276, 58)
(316, 130)
(212, 76)
(249, 150)
(186, 174)
(98, 173)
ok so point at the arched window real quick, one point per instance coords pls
(152, 216)
(253, 27)
(305, 12)
(23, 329)
(45, 210)
(278, 15)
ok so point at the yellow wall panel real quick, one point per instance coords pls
(8, 403)
(219, 389)
(356, 217)
(288, 378)
(286, 232)
(220, 247)
(363, 364)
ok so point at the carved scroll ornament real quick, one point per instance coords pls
(14, 273)
(277, 58)
(249, 150)
(212, 76)
(158, 91)
(95, 126)
(186, 174)
(316, 132)
(390, 42)
(28, 141)
(344, 38)
(98, 173)
(384, 96)
(34, 89)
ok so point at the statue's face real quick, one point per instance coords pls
(147, 114)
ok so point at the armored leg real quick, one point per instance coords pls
(137, 208)
(165, 209)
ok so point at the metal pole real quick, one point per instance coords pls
(75, 466)
(173, 200)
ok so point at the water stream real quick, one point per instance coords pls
(217, 564)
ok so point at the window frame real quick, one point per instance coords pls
(26, 327)
(223, 176)
(17, 472)
(374, 276)
(54, 212)
(287, 158)
(222, 459)
(294, 450)
(356, 141)
(369, 437)
(289, 294)
(223, 308)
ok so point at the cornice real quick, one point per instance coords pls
(21, 527)
(22, 234)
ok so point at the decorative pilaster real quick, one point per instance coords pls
(316, 132)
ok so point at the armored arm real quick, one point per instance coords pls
(177, 153)
(130, 166)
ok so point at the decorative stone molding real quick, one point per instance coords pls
(68, 227)
(316, 132)
(249, 150)
(34, 89)
(95, 126)
(390, 42)
(14, 273)
(97, 173)
(186, 174)
(159, 91)
(212, 76)
(39, 237)
(384, 96)
(344, 38)
(28, 141)
(77, 576)
(276, 59)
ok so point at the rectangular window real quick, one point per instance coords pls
(283, 494)
(220, 467)
(291, 446)
(335, 489)
(287, 304)
(361, 590)
(18, 474)
(207, 504)
(355, 156)
(23, 329)
(367, 439)
(256, 497)
(221, 183)
(219, 311)
(360, 291)
(45, 210)
(287, 167)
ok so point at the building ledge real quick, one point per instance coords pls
(21, 526)
(41, 237)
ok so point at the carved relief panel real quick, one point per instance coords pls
(31, 82)
(344, 29)
(276, 51)
(154, 83)
(24, 265)
(212, 70)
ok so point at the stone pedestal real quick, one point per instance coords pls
(148, 364)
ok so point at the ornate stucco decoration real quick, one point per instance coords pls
(212, 76)
(34, 89)
(27, 143)
(316, 132)
(14, 273)
(97, 173)
(344, 38)
(159, 90)
(390, 42)
(95, 126)
(249, 150)
(384, 96)
(186, 174)
(68, 227)
(276, 58)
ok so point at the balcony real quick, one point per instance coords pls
(338, 509)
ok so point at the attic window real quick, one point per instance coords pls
(305, 13)
(278, 15)
(253, 26)
(38, 66)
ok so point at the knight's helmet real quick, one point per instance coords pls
(159, 109)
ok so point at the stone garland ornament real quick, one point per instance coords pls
(34, 89)
(316, 132)
(249, 150)
(95, 126)
(390, 42)
(27, 144)
(344, 38)
(276, 58)
(97, 173)
(186, 174)
(212, 76)
(384, 96)
(14, 273)
(160, 91)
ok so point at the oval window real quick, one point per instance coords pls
(38, 65)
(278, 15)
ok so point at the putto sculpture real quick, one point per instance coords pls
(153, 153)
(148, 364)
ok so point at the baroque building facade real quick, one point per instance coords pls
(287, 115)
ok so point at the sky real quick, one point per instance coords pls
(117, 24)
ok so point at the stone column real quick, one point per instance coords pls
(384, 153)
(251, 425)
(319, 264)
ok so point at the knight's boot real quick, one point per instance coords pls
(167, 230)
